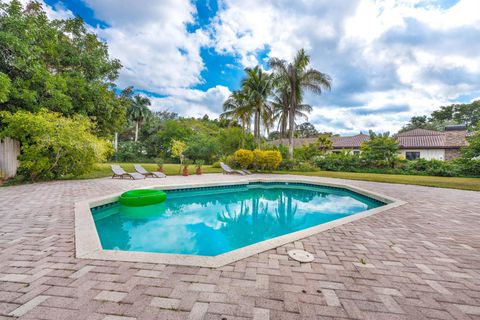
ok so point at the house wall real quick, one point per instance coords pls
(452, 154)
(427, 154)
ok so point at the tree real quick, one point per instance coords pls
(138, 111)
(238, 108)
(294, 78)
(380, 149)
(178, 148)
(280, 104)
(306, 130)
(423, 122)
(53, 146)
(58, 65)
(472, 151)
(257, 87)
(468, 114)
(324, 142)
(4, 87)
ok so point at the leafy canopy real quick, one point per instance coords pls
(57, 65)
(380, 149)
(53, 146)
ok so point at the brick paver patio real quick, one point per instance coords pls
(417, 261)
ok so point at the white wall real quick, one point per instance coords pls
(427, 154)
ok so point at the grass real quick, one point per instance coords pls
(429, 181)
(103, 169)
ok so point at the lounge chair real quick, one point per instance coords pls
(153, 174)
(227, 170)
(118, 172)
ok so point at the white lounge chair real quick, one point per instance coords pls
(227, 170)
(118, 172)
(153, 174)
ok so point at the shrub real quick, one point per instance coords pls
(287, 164)
(305, 166)
(160, 162)
(467, 167)
(380, 150)
(52, 145)
(216, 164)
(258, 159)
(343, 161)
(243, 157)
(228, 160)
(306, 152)
(130, 151)
(199, 163)
(272, 159)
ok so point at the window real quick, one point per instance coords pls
(412, 155)
(356, 152)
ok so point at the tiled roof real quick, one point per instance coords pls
(416, 138)
(353, 142)
(418, 132)
(422, 138)
(427, 141)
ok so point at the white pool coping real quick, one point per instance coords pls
(88, 246)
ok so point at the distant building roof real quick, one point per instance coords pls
(418, 132)
(350, 142)
(430, 139)
(413, 139)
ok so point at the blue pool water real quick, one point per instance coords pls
(214, 220)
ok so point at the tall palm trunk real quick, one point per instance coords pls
(244, 125)
(136, 130)
(291, 119)
(256, 128)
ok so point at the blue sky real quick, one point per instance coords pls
(389, 59)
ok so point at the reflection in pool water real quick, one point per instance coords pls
(217, 220)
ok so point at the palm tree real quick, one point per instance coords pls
(138, 112)
(324, 142)
(257, 87)
(237, 108)
(281, 111)
(296, 77)
(280, 103)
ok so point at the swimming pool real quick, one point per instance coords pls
(210, 221)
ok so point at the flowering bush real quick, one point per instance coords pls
(243, 158)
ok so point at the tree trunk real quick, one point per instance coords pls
(256, 127)
(136, 131)
(291, 119)
(243, 133)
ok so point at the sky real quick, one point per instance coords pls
(389, 59)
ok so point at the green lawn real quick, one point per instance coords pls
(440, 182)
(103, 170)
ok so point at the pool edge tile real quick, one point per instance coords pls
(88, 246)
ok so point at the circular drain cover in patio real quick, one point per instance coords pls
(300, 255)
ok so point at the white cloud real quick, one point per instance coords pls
(389, 59)
(192, 102)
(413, 54)
(152, 41)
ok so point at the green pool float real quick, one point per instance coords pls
(142, 197)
